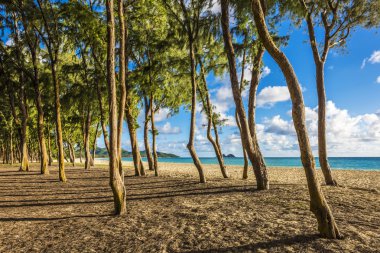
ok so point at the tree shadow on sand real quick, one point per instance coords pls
(273, 245)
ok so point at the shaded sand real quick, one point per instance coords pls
(173, 213)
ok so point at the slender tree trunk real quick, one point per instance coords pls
(245, 157)
(322, 146)
(11, 147)
(146, 134)
(87, 153)
(122, 77)
(319, 70)
(190, 145)
(61, 161)
(139, 167)
(24, 124)
(72, 153)
(94, 144)
(102, 118)
(80, 153)
(211, 122)
(116, 179)
(154, 134)
(254, 155)
(49, 147)
(318, 204)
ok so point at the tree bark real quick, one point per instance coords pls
(254, 155)
(154, 133)
(319, 71)
(116, 179)
(94, 144)
(322, 146)
(123, 61)
(318, 204)
(211, 122)
(190, 145)
(146, 134)
(72, 153)
(139, 167)
(87, 154)
(49, 147)
(245, 157)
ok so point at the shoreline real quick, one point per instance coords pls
(104, 161)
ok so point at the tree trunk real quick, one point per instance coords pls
(80, 153)
(211, 121)
(190, 145)
(246, 165)
(94, 144)
(102, 118)
(319, 70)
(11, 147)
(40, 116)
(146, 134)
(116, 179)
(139, 167)
(72, 153)
(255, 79)
(87, 163)
(24, 124)
(61, 161)
(318, 204)
(255, 157)
(322, 146)
(123, 61)
(154, 134)
(49, 147)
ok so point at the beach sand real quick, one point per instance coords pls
(174, 213)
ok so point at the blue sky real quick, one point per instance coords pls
(353, 110)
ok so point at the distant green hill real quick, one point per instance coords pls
(102, 152)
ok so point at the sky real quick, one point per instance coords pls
(352, 80)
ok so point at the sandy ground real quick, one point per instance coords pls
(174, 213)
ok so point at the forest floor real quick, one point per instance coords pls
(174, 213)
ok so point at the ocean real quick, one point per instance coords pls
(352, 163)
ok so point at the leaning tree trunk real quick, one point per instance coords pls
(87, 163)
(154, 134)
(245, 157)
(116, 179)
(318, 204)
(190, 145)
(61, 160)
(139, 167)
(211, 121)
(255, 79)
(255, 157)
(146, 134)
(322, 146)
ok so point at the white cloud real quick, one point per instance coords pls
(346, 135)
(168, 129)
(265, 72)
(161, 115)
(378, 79)
(374, 58)
(271, 95)
(9, 42)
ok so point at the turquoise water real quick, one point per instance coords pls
(357, 163)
